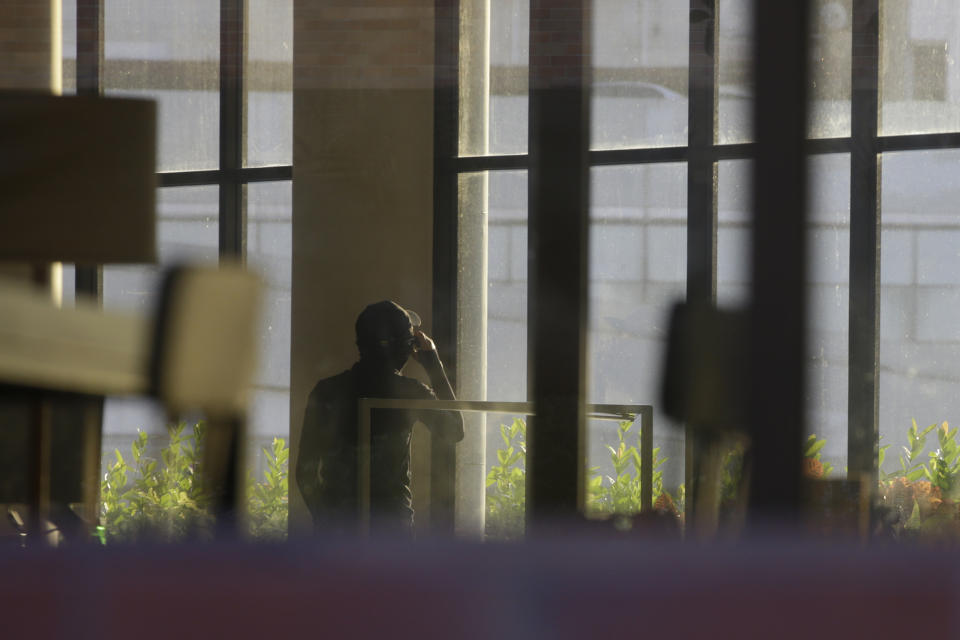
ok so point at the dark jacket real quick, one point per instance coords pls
(327, 462)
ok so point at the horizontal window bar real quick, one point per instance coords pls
(919, 142)
(266, 174)
(217, 176)
(741, 151)
(747, 150)
(637, 156)
(471, 164)
(188, 178)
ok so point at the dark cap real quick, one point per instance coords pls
(385, 321)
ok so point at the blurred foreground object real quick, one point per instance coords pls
(77, 184)
(705, 386)
(204, 360)
(77, 179)
(204, 355)
(705, 369)
(560, 587)
(196, 355)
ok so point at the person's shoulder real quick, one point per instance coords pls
(334, 384)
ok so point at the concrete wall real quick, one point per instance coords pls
(362, 181)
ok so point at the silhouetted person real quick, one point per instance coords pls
(387, 335)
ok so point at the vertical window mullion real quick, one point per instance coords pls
(445, 144)
(232, 223)
(701, 181)
(90, 36)
(445, 244)
(701, 169)
(89, 47)
(863, 398)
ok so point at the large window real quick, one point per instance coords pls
(671, 161)
(221, 73)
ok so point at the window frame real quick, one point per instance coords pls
(702, 152)
(231, 175)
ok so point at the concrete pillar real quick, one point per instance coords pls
(362, 182)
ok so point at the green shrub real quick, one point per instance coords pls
(618, 494)
(144, 499)
(164, 500)
(506, 485)
(268, 499)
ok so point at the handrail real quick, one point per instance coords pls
(601, 411)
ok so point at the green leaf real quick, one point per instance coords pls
(914, 521)
(814, 448)
(916, 474)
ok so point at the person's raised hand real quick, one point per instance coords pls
(423, 347)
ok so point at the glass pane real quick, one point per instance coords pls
(269, 82)
(829, 58)
(169, 51)
(918, 71)
(828, 253)
(69, 284)
(920, 298)
(186, 231)
(830, 45)
(828, 296)
(269, 244)
(639, 92)
(68, 40)
(492, 325)
(494, 75)
(734, 71)
(187, 219)
(734, 184)
(507, 286)
(638, 259)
